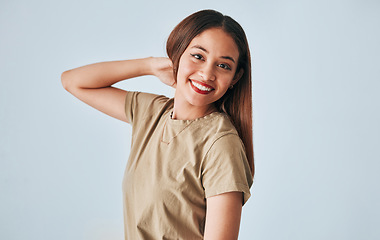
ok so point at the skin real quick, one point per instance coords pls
(210, 59)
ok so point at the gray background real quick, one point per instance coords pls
(316, 115)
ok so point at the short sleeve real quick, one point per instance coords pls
(139, 105)
(225, 168)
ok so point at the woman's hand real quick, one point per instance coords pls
(163, 69)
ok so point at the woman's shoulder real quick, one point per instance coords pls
(147, 98)
(142, 105)
(220, 124)
(216, 127)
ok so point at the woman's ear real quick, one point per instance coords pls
(237, 76)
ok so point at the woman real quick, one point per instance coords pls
(191, 161)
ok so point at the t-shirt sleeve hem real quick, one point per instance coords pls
(230, 188)
(127, 106)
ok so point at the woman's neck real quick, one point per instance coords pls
(186, 111)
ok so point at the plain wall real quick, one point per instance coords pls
(316, 115)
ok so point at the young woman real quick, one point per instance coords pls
(191, 162)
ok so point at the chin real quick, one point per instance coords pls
(199, 102)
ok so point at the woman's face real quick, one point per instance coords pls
(207, 68)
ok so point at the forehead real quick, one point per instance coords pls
(216, 41)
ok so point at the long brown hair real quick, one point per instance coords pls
(236, 102)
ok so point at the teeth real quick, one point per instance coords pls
(201, 87)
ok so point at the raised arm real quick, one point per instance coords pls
(92, 83)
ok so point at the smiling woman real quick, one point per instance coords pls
(190, 167)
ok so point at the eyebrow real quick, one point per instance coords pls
(203, 49)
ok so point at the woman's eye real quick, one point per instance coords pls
(197, 56)
(224, 66)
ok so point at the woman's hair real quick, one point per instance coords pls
(236, 102)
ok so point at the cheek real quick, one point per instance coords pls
(185, 69)
(226, 81)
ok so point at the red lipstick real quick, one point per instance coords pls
(200, 87)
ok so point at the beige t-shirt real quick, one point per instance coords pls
(174, 165)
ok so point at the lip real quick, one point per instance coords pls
(201, 83)
(198, 90)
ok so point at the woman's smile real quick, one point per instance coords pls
(200, 87)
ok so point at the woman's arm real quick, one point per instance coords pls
(223, 216)
(92, 83)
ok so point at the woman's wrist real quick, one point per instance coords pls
(150, 66)
(137, 67)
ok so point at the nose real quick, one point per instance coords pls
(207, 72)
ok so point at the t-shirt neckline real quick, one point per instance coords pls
(186, 122)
